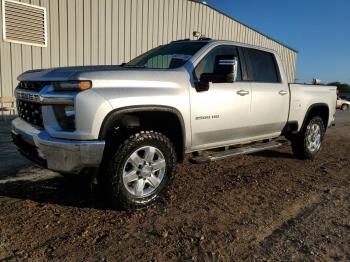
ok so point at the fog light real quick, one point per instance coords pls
(65, 116)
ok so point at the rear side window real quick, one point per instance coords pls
(262, 66)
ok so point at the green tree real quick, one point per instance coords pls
(342, 87)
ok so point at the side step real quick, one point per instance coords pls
(238, 151)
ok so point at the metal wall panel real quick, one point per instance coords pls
(162, 25)
(133, 22)
(121, 32)
(6, 69)
(115, 31)
(45, 52)
(94, 53)
(79, 42)
(101, 6)
(71, 31)
(143, 21)
(108, 32)
(180, 16)
(63, 29)
(53, 34)
(87, 31)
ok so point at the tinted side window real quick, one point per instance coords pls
(262, 66)
(207, 63)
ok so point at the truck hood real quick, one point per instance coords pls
(111, 76)
(65, 73)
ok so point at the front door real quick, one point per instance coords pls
(220, 115)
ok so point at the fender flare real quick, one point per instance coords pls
(113, 115)
(308, 112)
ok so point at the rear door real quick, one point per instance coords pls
(270, 94)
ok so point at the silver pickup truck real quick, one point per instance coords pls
(134, 122)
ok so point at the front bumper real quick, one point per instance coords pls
(62, 155)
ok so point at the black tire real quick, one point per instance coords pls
(344, 107)
(112, 179)
(301, 144)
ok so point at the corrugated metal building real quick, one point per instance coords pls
(85, 32)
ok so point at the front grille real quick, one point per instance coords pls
(32, 85)
(30, 112)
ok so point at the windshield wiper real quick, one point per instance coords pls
(133, 66)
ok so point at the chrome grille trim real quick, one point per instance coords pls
(27, 96)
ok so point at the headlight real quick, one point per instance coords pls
(72, 86)
(65, 116)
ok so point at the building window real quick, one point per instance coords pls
(24, 23)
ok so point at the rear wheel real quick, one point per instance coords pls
(140, 171)
(344, 107)
(308, 142)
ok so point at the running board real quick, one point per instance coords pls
(238, 151)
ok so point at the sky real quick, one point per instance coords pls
(318, 29)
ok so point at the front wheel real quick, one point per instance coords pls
(308, 142)
(141, 170)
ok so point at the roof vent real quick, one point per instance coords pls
(24, 23)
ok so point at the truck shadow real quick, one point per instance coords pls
(58, 190)
(72, 191)
(274, 154)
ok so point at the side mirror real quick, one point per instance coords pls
(203, 84)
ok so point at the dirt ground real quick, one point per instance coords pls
(265, 206)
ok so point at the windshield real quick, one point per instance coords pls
(168, 56)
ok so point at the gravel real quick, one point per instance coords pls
(265, 206)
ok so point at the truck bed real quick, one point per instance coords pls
(302, 96)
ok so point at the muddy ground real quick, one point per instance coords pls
(266, 206)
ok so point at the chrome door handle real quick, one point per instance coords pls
(282, 92)
(242, 92)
